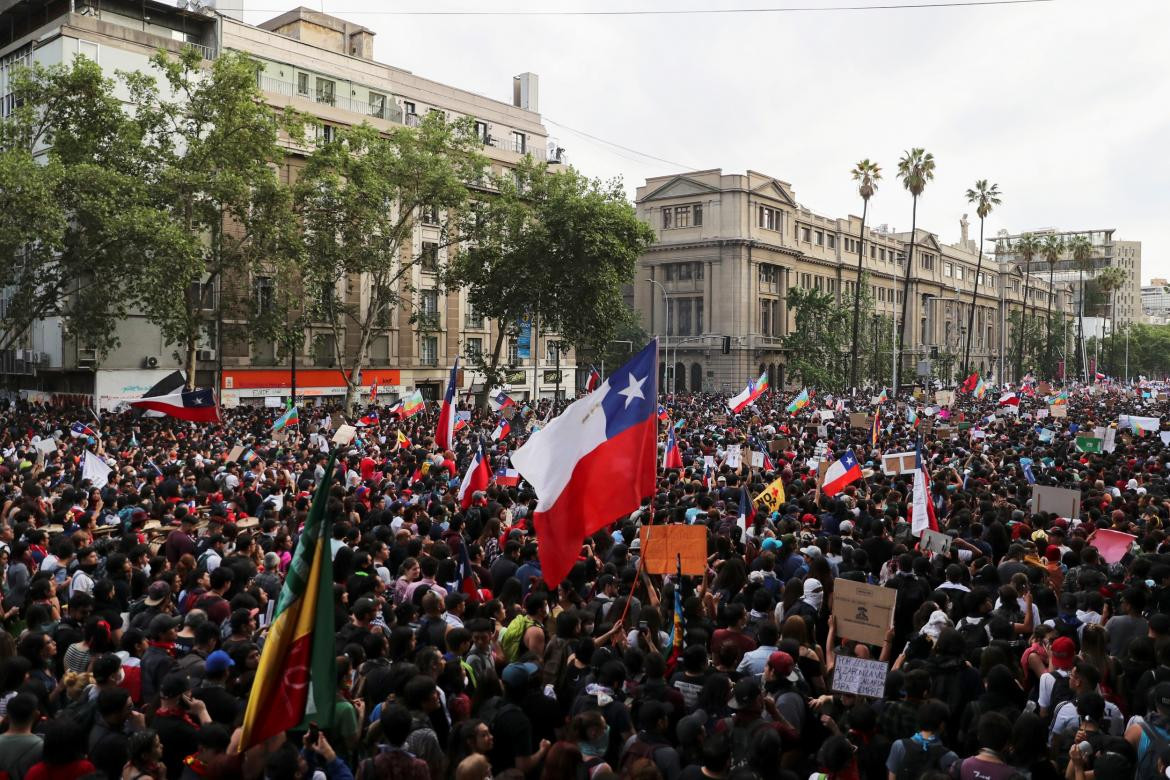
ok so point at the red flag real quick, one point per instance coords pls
(969, 384)
(477, 477)
(445, 429)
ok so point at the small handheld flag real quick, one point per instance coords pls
(798, 403)
(503, 428)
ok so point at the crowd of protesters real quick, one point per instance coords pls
(135, 613)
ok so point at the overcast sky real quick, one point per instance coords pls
(1065, 104)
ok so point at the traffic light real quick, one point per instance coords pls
(727, 345)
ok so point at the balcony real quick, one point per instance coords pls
(387, 110)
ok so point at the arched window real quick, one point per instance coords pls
(680, 378)
(696, 377)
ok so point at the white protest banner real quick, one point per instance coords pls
(1131, 422)
(709, 461)
(860, 676)
(1165, 437)
(734, 456)
(826, 414)
(757, 460)
(95, 470)
(47, 445)
(1111, 439)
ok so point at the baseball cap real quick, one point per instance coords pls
(516, 675)
(1064, 650)
(157, 593)
(781, 664)
(218, 661)
(745, 693)
(1160, 696)
(690, 728)
(811, 551)
(159, 624)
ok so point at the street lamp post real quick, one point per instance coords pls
(666, 348)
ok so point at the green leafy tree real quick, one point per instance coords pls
(1081, 250)
(984, 197)
(1027, 247)
(76, 217)
(816, 346)
(915, 170)
(359, 198)
(1052, 247)
(213, 151)
(628, 337)
(556, 245)
(867, 174)
(1110, 280)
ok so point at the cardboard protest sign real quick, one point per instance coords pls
(1043, 388)
(858, 420)
(1059, 410)
(935, 542)
(734, 456)
(662, 544)
(1113, 545)
(826, 414)
(757, 460)
(776, 446)
(899, 463)
(46, 446)
(1061, 501)
(860, 676)
(944, 397)
(235, 453)
(864, 612)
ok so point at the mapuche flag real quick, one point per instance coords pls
(297, 676)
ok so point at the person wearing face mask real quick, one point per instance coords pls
(591, 733)
(809, 605)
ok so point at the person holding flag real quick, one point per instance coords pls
(922, 516)
(502, 429)
(671, 457)
(445, 428)
(875, 429)
(290, 417)
(476, 478)
(749, 394)
(593, 380)
(841, 473)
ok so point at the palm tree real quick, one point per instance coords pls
(1052, 247)
(984, 197)
(1026, 247)
(915, 169)
(1081, 250)
(1110, 280)
(866, 174)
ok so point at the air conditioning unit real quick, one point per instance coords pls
(28, 356)
(34, 357)
(86, 357)
(150, 362)
(206, 355)
(44, 358)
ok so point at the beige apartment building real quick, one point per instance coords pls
(321, 66)
(731, 245)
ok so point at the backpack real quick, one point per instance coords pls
(975, 638)
(511, 640)
(741, 740)
(916, 762)
(1061, 691)
(637, 755)
(1147, 768)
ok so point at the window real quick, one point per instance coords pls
(882, 253)
(481, 132)
(682, 216)
(472, 318)
(684, 271)
(429, 258)
(881, 294)
(323, 353)
(323, 134)
(769, 218)
(326, 91)
(384, 314)
(697, 215)
(303, 84)
(872, 252)
(379, 351)
(832, 241)
(981, 279)
(474, 347)
(429, 301)
(263, 291)
(429, 214)
(959, 272)
(948, 269)
(409, 108)
(769, 274)
(428, 350)
(551, 350)
(378, 105)
(820, 238)
(519, 142)
(805, 281)
(805, 234)
(926, 260)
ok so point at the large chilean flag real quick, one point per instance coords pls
(445, 430)
(593, 463)
(191, 405)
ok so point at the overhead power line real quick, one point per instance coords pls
(616, 145)
(675, 11)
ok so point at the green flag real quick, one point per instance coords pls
(1090, 444)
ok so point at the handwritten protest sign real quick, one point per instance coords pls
(662, 543)
(1058, 411)
(944, 397)
(1061, 501)
(864, 612)
(858, 420)
(935, 542)
(899, 463)
(860, 676)
(757, 460)
(734, 456)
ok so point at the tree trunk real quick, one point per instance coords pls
(905, 294)
(1023, 330)
(857, 294)
(481, 399)
(1081, 326)
(1048, 321)
(971, 314)
(192, 344)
